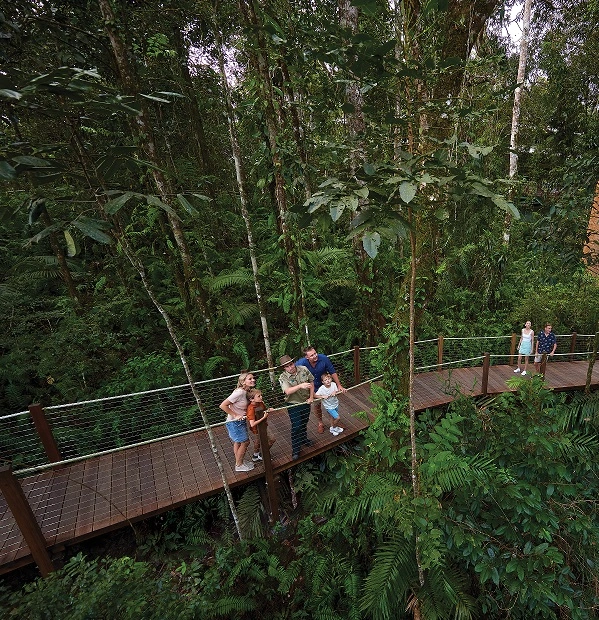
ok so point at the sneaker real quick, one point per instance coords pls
(257, 457)
(244, 467)
(517, 370)
(334, 432)
(338, 429)
(523, 372)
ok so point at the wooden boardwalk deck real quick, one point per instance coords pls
(76, 502)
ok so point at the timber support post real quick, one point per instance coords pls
(573, 347)
(271, 483)
(25, 519)
(440, 352)
(45, 433)
(543, 363)
(592, 358)
(485, 381)
(356, 365)
(513, 349)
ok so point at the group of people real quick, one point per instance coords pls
(308, 383)
(546, 342)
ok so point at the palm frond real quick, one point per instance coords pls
(230, 606)
(324, 257)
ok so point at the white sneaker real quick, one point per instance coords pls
(333, 430)
(338, 429)
(523, 372)
(517, 370)
(244, 467)
(257, 457)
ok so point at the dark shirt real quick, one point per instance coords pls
(323, 364)
(546, 342)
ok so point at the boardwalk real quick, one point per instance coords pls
(75, 502)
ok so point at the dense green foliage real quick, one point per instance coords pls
(354, 132)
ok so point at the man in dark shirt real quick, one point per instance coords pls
(546, 343)
(318, 364)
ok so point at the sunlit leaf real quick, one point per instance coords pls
(371, 242)
(407, 191)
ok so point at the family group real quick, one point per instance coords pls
(308, 383)
(546, 342)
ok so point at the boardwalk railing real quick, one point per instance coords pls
(46, 437)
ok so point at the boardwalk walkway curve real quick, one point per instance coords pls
(79, 470)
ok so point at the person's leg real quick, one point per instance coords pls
(518, 364)
(317, 408)
(295, 418)
(304, 417)
(525, 364)
(242, 450)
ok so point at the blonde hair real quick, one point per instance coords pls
(242, 377)
(253, 392)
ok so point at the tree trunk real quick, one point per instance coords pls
(290, 246)
(128, 77)
(244, 202)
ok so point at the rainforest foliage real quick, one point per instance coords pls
(287, 172)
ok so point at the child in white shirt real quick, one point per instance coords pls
(328, 391)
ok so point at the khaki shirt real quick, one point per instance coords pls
(287, 380)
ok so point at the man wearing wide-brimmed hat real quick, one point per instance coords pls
(297, 382)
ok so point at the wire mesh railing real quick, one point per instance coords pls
(106, 424)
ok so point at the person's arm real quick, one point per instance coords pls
(311, 398)
(554, 346)
(289, 389)
(254, 422)
(226, 407)
(335, 377)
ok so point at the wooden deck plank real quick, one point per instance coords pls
(73, 503)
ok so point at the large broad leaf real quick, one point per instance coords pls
(113, 205)
(92, 228)
(7, 172)
(37, 208)
(31, 162)
(407, 191)
(371, 242)
(156, 202)
(187, 205)
(6, 93)
(317, 200)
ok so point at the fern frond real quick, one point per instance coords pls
(392, 575)
(325, 257)
(227, 606)
(225, 279)
(250, 512)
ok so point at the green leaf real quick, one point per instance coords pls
(91, 228)
(6, 93)
(371, 242)
(187, 205)
(7, 172)
(153, 98)
(156, 202)
(113, 205)
(71, 246)
(369, 169)
(32, 162)
(407, 191)
(362, 192)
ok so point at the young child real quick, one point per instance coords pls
(328, 391)
(257, 413)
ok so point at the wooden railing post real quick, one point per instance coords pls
(543, 363)
(440, 352)
(486, 365)
(25, 519)
(271, 484)
(513, 348)
(44, 432)
(356, 365)
(573, 346)
(592, 359)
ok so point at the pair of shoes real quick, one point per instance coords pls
(523, 372)
(257, 457)
(320, 427)
(244, 467)
(308, 442)
(337, 429)
(295, 456)
(334, 431)
(518, 370)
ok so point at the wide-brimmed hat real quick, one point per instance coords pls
(286, 359)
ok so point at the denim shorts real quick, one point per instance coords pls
(238, 431)
(333, 413)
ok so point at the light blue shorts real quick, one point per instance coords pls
(238, 431)
(333, 413)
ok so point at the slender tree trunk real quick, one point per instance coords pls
(145, 133)
(244, 202)
(290, 246)
(516, 109)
